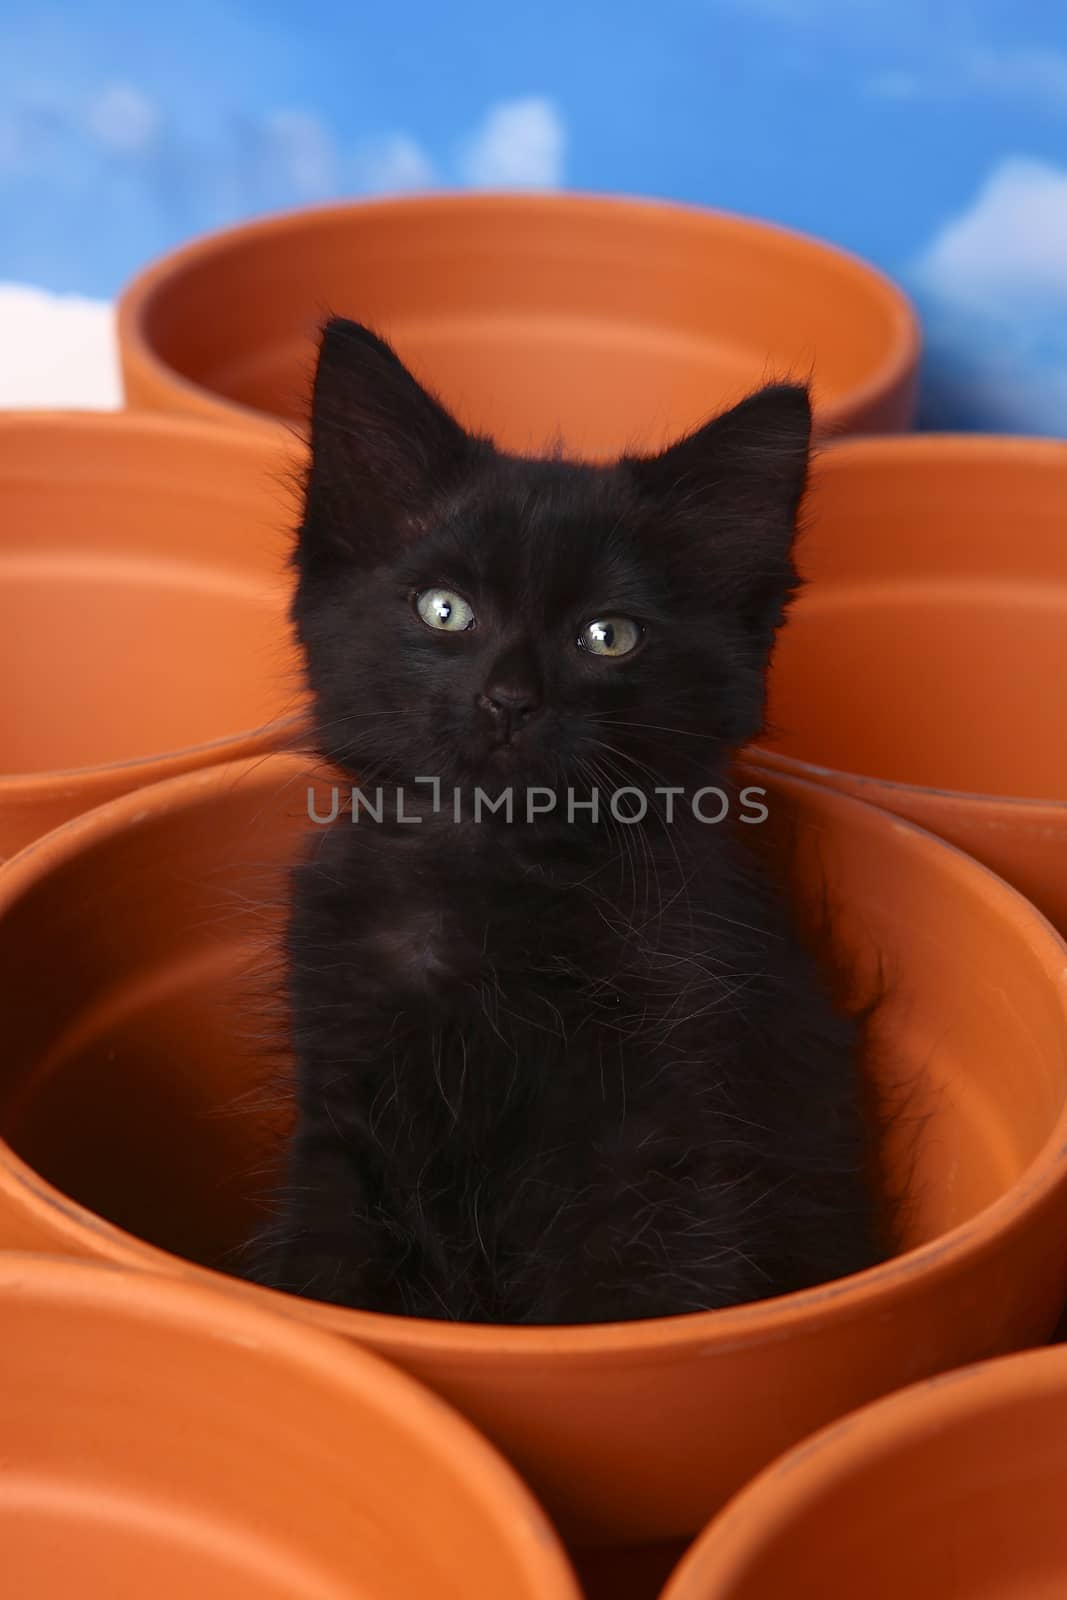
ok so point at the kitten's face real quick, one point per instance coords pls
(485, 619)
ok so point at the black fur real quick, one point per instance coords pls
(558, 1071)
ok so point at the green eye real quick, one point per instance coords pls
(610, 636)
(444, 610)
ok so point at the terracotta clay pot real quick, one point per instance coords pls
(142, 606)
(162, 1439)
(952, 1490)
(141, 1053)
(924, 667)
(608, 323)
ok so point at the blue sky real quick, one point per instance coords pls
(929, 137)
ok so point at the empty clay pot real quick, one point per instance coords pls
(924, 667)
(162, 1439)
(142, 606)
(608, 323)
(952, 1490)
(138, 1102)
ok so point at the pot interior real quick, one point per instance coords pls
(931, 643)
(142, 593)
(533, 319)
(965, 1504)
(121, 665)
(145, 1067)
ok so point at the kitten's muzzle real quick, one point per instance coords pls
(509, 710)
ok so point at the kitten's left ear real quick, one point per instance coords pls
(758, 452)
(736, 485)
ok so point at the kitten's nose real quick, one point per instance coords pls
(512, 694)
(511, 705)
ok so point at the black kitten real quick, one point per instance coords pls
(553, 1067)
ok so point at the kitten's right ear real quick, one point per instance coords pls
(383, 450)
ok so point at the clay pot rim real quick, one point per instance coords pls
(39, 785)
(136, 299)
(967, 447)
(1032, 812)
(777, 1495)
(264, 740)
(974, 451)
(650, 1338)
(354, 1372)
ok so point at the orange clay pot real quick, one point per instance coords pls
(142, 606)
(925, 667)
(162, 1439)
(952, 1490)
(141, 1059)
(608, 323)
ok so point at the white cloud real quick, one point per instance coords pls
(122, 118)
(915, 50)
(57, 350)
(395, 164)
(993, 289)
(1020, 74)
(521, 144)
(304, 153)
(806, 13)
(115, 152)
(1038, 77)
(894, 86)
(1009, 247)
(993, 374)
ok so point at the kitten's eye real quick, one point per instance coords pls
(445, 610)
(610, 636)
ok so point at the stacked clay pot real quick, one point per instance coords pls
(923, 664)
(143, 596)
(951, 1489)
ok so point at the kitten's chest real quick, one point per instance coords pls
(502, 970)
(407, 965)
(426, 928)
